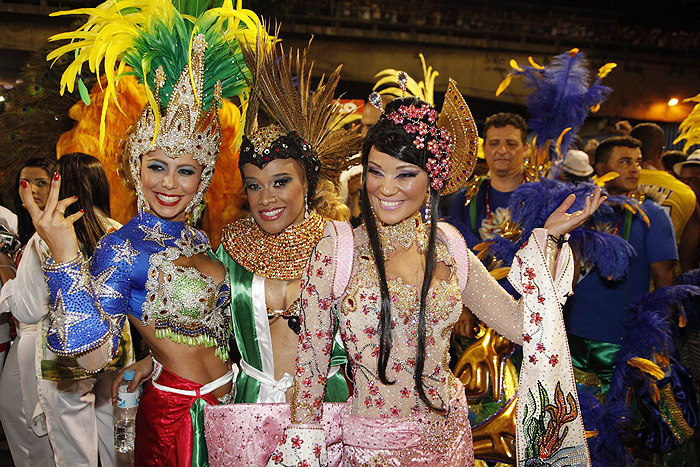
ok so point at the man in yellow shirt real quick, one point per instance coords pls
(676, 197)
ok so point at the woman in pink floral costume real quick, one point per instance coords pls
(395, 287)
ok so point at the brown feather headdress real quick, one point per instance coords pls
(308, 120)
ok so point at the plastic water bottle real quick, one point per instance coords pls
(125, 415)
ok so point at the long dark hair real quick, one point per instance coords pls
(83, 176)
(25, 227)
(393, 140)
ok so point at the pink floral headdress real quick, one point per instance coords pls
(422, 122)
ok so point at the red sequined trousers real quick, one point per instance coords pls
(164, 425)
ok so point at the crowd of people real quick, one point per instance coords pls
(537, 23)
(308, 340)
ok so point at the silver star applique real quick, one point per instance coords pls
(62, 319)
(80, 280)
(99, 284)
(155, 234)
(125, 252)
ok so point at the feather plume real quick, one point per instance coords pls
(282, 83)
(690, 127)
(424, 90)
(561, 97)
(530, 206)
(149, 34)
(651, 326)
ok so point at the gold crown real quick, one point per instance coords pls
(184, 129)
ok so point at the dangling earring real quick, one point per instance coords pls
(427, 208)
(306, 207)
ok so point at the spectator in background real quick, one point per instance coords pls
(594, 313)
(505, 145)
(370, 114)
(8, 222)
(675, 197)
(25, 432)
(7, 217)
(689, 172)
(37, 173)
(671, 158)
(576, 167)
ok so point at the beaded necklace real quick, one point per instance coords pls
(281, 256)
(404, 234)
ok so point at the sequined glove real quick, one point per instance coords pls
(78, 324)
(301, 445)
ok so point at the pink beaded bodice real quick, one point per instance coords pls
(359, 324)
(356, 312)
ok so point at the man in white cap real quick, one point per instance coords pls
(689, 172)
(576, 167)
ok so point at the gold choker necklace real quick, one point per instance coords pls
(404, 234)
(281, 256)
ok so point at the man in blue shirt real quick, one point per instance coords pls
(505, 146)
(595, 313)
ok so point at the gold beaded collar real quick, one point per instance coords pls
(404, 234)
(281, 256)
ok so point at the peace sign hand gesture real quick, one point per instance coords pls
(52, 225)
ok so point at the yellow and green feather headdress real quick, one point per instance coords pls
(187, 56)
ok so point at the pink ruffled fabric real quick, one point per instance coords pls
(246, 434)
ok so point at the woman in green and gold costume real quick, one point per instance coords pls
(289, 172)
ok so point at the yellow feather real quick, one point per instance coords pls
(602, 180)
(605, 69)
(514, 65)
(644, 217)
(500, 273)
(534, 64)
(504, 84)
(647, 366)
(692, 99)
(559, 140)
(595, 108)
(388, 77)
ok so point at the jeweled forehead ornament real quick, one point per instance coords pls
(271, 142)
(184, 128)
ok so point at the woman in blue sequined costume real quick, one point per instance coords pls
(157, 271)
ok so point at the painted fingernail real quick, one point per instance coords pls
(75, 197)
(81, 211)
(56, 175)
(24, 185)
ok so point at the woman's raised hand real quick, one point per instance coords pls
(52, 225)
(560, 222)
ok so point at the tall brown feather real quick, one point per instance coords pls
(313, 114)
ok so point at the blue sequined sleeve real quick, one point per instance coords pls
(89, 301)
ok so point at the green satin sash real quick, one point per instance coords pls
(247, 388)
(337, 389)
(200, 456)
(594, 357)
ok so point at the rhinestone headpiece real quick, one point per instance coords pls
(184, 128)
(270, 143)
